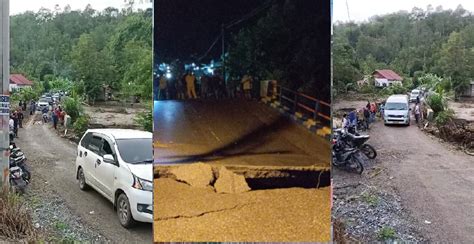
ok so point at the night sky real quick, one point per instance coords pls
(186, 27)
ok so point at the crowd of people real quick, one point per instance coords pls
(189, 86)
(53, 113)
(365, 115)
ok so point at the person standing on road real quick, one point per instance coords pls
(204, 85)
(366, 117)
(20, 117)
(32, 107)
(417, 113)
(54, 115)
(15, 124)
(247, 86)
(163, 86)
(352, 118)
(190, 85)
(373, 110)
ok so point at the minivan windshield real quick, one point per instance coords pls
(396, 106)
(136, 150)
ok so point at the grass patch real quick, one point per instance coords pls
(61, 225)
(370, 199)
(15, 220)
(386, 233)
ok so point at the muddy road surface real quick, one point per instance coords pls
(52, 160)
(435, 182)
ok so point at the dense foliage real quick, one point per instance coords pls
(84, 49)
(413, 44)
(285, 46)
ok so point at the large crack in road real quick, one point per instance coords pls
(52, 158)
(186, 210)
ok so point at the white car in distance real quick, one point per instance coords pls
(118, 163)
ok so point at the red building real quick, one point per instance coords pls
(386, 77)
(18, 81)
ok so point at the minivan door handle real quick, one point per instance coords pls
(98, 161)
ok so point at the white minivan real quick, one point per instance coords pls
(118, 163)
(397, 110)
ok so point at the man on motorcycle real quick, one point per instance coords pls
(45, 114)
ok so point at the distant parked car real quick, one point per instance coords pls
(414, 95)
(118, 163)
(42, 103)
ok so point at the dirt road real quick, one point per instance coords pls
(52, 160)
(435, 183)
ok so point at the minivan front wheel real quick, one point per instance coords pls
(82, 180)
(124, 212)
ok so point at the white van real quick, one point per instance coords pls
(397, 110)
(118, 163)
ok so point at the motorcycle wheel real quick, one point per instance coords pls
(356, 164)
(369, 151)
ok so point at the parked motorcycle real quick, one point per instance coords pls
(354, 140)
(17, 158)
(346, 158)
(17, 179)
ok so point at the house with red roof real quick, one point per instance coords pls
(18, 81)
(386, 77)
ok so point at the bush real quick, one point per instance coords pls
(73, 108)
(394, 89)
(81, 125)
(367, 89)
(145, 120)
(436, 103)
(444, 117)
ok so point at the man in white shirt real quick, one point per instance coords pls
(417, 113)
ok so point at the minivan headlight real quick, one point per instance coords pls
(142, 184)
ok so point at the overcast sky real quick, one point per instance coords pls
(19, 6)
(361, 10)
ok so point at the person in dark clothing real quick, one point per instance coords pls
(55, 118)
(20, 117)
(32, 107)
(366, 117)
(15, 124)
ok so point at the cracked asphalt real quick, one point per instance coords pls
(186, 213)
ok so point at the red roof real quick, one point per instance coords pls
(388, 74)
(20, 80)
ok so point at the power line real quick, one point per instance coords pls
(236, 22)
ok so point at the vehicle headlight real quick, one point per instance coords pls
(142, 184)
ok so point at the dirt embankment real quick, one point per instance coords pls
(113, 116)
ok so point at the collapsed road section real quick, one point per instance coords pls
(204, 202)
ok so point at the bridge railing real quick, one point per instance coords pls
(307, 105)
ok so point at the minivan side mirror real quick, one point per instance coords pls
(109, 158)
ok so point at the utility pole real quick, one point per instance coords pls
(4, 95)
(223, 54)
